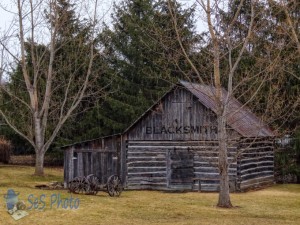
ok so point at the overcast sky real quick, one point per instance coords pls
(105, 8)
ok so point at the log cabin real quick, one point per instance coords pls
(173, 146)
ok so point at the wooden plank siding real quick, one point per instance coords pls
(179, 117)
(100, 157)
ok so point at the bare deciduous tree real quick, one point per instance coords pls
(237, 37)
(220, 38)
(292, 24)
(44, 111)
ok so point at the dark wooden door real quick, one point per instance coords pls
(180, 169)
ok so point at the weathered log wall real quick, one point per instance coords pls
(173, 146)
(255, 163)
(175, 165)
(146, 165)
(206, 166)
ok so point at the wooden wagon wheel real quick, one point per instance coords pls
(93, 182)
(79, 185)
(114, 186)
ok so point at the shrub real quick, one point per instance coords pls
(287, 160)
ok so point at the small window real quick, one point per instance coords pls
(75, 155)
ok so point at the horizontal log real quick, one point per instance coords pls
(143, 150)
(258, 179)
(213, 149)
(146, 160)
(247, 167)
(180, 186)
(212, 170)
(255, 154)
(159, 147)
(152, 183)
(211, 164)
(146, 154)
(257, 159)
(209, 159)
(256, 163)
(255, 147)
(83, 150)
(152, 179)
(213, 154)
(147, 164)
(257, 182)
(192, 143)
(256, 175)
(146, 187)
(208, 176)
(256, 170)
(178, 147)
(150, 157)
(146, 169)
(144, 174)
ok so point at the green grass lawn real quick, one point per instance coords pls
(279, 204)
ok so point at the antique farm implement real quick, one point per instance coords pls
(91, 185)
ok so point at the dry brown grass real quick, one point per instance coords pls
(276, 205)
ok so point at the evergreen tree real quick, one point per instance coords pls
(143, 57)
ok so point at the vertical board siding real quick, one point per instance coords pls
(179, 117)
(101, 164)
(98, 157)
(80, 167)
(68, 166)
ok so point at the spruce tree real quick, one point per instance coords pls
(144, 58)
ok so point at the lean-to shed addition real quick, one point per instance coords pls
(173, 146)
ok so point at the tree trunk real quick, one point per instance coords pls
(298, 165)
(224, 196)
(39, 163)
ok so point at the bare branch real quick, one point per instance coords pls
(8, 122)
(174, 20)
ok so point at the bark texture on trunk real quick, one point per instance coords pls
(224, 196)
(39, 163)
